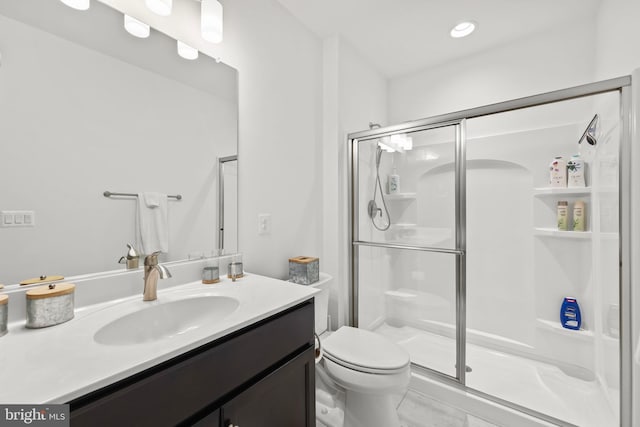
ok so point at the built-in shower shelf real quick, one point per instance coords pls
(552, 232)
(401, 196)
(557, 328)
(403, 226)
(551, 191)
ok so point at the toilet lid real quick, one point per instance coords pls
(364, 350)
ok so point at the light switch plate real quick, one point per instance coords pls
(264, 223)
(17, 218)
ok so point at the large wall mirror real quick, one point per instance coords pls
(86, 108)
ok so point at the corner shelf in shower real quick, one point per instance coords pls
(552, 232)
(400, 196)
(556, 327)
(554, 191)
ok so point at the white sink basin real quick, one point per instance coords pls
(164, 320)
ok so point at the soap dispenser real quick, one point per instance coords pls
(394, 182)
(132, 258)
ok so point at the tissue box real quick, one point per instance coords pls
(304, 270)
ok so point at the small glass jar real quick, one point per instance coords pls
(235, 269)
(211, 273)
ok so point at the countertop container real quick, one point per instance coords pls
(50, 305)
(304, 270)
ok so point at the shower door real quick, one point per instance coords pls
(457, 254)
(409, 241)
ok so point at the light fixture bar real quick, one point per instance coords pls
(160, 7)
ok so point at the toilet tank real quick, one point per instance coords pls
(321, 302)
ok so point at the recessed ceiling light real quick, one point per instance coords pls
(463, 29)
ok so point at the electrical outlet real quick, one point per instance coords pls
(264, 223)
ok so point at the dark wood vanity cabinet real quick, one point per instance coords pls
(260, 376)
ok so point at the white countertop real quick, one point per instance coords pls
(62, 362)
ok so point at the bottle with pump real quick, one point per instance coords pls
(394, 182)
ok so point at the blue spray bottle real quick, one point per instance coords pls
(570, 317)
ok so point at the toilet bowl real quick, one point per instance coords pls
(369, 368)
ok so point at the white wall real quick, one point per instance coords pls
(354, 95)
(617, 49)
(555, 59)
(280, 83)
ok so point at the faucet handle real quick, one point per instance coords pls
(152, 259)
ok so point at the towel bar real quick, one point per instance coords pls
(110, 193)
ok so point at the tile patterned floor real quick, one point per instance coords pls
(415, 410)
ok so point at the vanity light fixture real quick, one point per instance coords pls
(463, 29)
(77, 4)
(135, 27)
(211, 21)
(186, 51)
(160, 7)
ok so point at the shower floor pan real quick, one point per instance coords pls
(537, 385)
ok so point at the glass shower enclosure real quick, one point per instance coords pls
(463, 252)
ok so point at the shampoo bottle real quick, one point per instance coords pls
(558, 172)
(570, 317)
(394, 182)
(563, 213)
(575, 172)
(579, 216)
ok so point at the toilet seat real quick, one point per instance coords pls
(365, 351)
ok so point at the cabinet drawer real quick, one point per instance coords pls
(175, 390)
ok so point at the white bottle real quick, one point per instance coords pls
(558, 172)
(393, 182)
(575, 172)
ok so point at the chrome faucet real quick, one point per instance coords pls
(152, 272)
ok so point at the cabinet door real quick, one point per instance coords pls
(284, 398)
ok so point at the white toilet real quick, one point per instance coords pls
(367, 366)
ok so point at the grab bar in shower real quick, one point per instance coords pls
(111, 193)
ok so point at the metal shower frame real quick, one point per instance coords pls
(458, 119)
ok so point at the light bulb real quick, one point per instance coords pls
(77, 4)
(463, 29)
(186, 51)
(211, 21)
(160, 7)
(135, 27)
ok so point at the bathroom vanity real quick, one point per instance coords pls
(230, 354)
(262, 375)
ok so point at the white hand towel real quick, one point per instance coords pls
(152, 223)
